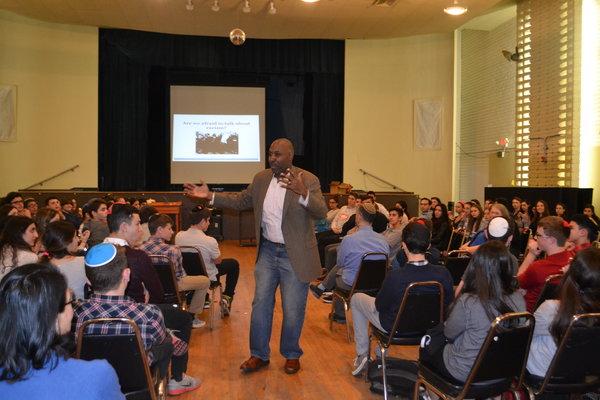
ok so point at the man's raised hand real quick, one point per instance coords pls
(200, 190)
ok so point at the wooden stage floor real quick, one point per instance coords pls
(215, 356)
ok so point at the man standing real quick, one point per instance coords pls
(286, 200)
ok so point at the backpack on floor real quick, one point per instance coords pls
(401, 376)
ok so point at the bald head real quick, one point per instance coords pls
(281, 155)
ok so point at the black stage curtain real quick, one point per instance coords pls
(135, 72)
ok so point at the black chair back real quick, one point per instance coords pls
(193, 263)
(422, 308)
(457, 262)
(166, 273)
(504, 352)
(456, 239)
(575, 365)
(550, 290)
(125, 352)
(371, 273)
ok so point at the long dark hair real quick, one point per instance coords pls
(437, 222)
(31, 297)
(580, 291)
(43, 218)
(474, 224)
(490, 277)
(12, 240)
(56, 239)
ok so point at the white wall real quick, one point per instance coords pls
(55, 69)
(383, 79)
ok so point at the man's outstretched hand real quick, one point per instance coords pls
(200, 190)
(293, 182)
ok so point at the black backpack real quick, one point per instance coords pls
(401, 376)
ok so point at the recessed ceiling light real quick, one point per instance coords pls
(455, 9)
(310, 1)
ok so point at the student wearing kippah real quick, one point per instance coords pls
(107, 270)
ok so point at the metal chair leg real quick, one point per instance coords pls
(348, 333)
(211, 309)
(416, 391)
(383, 370)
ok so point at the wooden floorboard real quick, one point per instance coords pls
(215, 356)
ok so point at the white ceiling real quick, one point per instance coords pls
(327, 19)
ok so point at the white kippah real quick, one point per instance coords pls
(498, 227)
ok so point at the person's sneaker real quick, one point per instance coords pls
(198, 323)
(226, 304)
(207, 303)
(186, 384)
(327, 298)
(315, 290)
(360, 363)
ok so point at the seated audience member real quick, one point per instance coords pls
(144, 284)
(425, 208)
(541, 210)
(135, 203)
(6, 211)
(345, 213)
(35, 326)
(161, 231)
(496, 210)
(458, 215)
(579, 293)
(475, 223)
(393, 233)
(590, 212)
(145, 213)
(440, 227)
(16, 200)
(379, 223)
(54, 203)
(404, 207)
(432, 255)
(516, 207)
(380, 207)
(583, 233)
(550, 237)
(332, 236)
(44, 216)
(381, 310)
(71, 214)
(350, 253)
(490, 290)
(560, 210)
(97, 213)
(333, 205)
(216, 266)
(498, 229)
(17, 241)
(31, 205)
(61, 244)
(106, 268)
(434, 202)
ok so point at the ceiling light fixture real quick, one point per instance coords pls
(310, 1)
(246, 8)
(272, 9)
(215, 7)
(455, 9)
(189, 5)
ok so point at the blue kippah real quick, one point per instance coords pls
(101, 254)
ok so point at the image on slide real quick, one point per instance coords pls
(217, 143)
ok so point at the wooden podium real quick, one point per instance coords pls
(172, 209)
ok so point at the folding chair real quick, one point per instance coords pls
(575, 368)
(193, 264)
(166, 273)
(370, 276)
(422, 308)
(550, 290)
(457, 262)
(501, 361)
(126, 354)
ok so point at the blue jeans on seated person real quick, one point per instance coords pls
(273, 269)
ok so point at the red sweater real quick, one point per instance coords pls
(535, 275)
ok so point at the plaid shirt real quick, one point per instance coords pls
(148, 318)
(157, 246)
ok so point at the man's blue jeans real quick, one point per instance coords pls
(273, 269)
